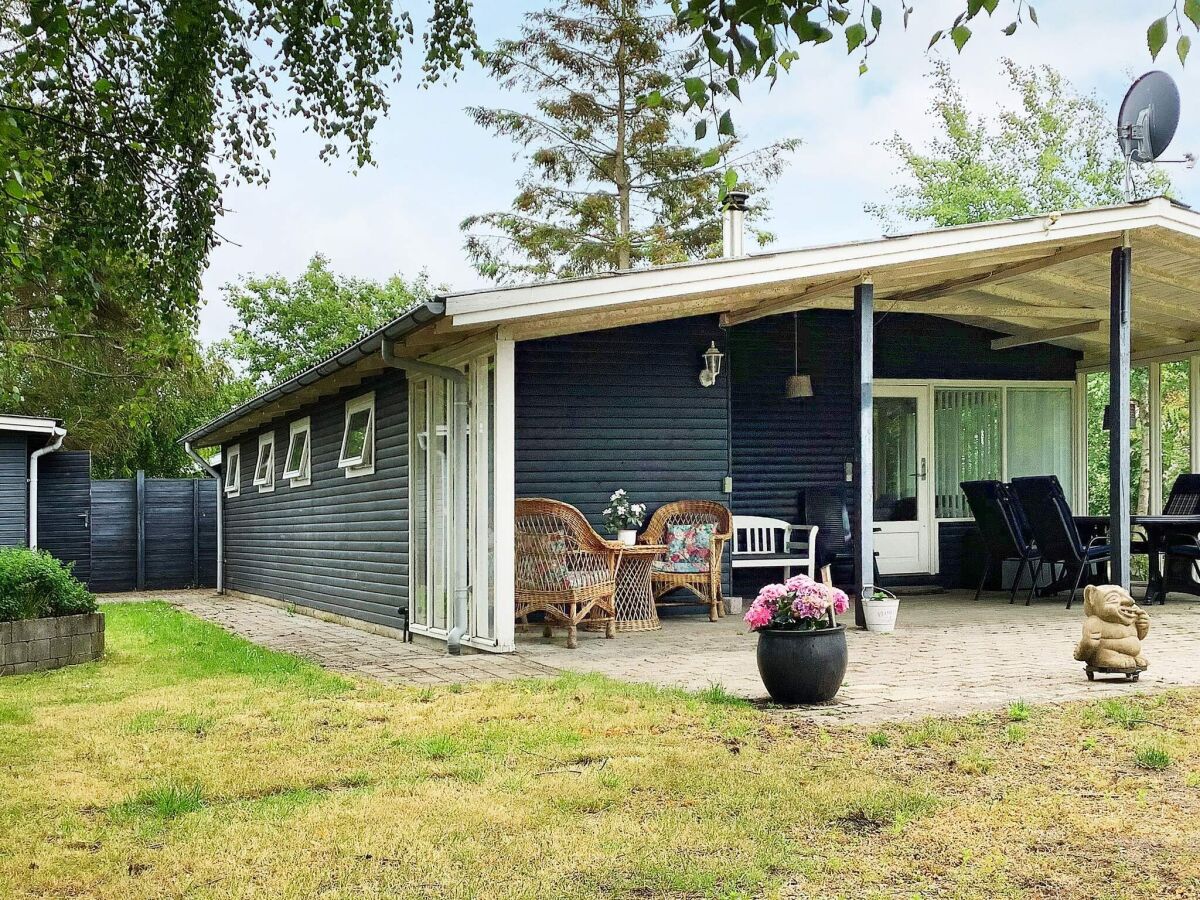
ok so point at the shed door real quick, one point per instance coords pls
(65, 508)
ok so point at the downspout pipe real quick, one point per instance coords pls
(459, 490)
(204, 464)
(56, 440)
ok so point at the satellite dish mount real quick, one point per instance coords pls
(1146, 123)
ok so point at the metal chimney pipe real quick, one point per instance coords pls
(733, 225)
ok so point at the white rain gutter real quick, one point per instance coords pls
(203, 464)
(462, 422)
(57, 434)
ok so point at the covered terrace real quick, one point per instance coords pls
(1098, 292)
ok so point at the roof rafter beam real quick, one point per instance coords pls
(984, 307)
(1025, 338)
(805, 299)
(1004, 272)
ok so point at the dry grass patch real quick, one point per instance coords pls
(191, 763)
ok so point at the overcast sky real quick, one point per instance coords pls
(435, 166)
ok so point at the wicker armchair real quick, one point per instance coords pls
(705, 584)
(563, 568)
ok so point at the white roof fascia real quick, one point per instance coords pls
(29, 424)
(564, 297)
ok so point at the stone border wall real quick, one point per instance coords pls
(34, 645)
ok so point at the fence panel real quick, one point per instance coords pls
(154, 533)
(114, 535)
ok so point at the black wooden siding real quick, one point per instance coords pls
(338, 544)
(64, 508)
(14, 501)
(779, 445)
(622, 408)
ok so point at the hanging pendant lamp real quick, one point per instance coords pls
(797, 385)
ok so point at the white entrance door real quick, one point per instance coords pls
(902, 508)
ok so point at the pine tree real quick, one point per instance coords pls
(611, 183)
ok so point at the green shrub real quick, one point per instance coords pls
(33, 585)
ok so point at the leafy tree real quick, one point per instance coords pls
(121, 124)
(610, 183)
(133, 421)
(1054, 150)
(286, 326)
(762, 38)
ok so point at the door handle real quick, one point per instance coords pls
(924, 469)
(86, 519)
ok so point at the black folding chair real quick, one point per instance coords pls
(1002, 535)
(1055, 531)
(827, 506)
(1182, 549)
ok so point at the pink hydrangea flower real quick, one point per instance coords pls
(841, 602)
(796, 582)
(758, 615)
(772, 593)
(809, 607)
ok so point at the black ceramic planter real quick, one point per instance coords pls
(802, 666)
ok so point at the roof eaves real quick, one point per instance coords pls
(410, 321)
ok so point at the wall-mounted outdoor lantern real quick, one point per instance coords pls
(712, 365)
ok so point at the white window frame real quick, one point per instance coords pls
(1153, 359)
(265, 482)
(490, 491)
(930, 385)
(303, 475)
(233, 466)
(363, 464)
(1002, 385)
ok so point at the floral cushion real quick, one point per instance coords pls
(689, 549)
(541, 562)
(679, 568)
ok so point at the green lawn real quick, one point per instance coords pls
(191, 763)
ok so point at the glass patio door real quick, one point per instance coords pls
(901, 494)
(452, 520)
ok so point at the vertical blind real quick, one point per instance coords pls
(966, 423)
(1039, 433)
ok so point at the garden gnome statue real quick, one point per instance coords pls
(1112, 632)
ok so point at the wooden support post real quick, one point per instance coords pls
(141, 530)
(1118, 399)
(863, 528)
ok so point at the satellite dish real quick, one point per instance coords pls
(1148, 118)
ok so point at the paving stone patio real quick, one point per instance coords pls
(950, 656)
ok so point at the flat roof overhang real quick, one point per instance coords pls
(414, 331)
(29, 424)
(1044, 277)
(1041, 278)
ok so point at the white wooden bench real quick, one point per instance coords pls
(761, 542)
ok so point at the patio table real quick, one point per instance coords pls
(1158, 529)
(634, 600)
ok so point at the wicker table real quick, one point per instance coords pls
(635, 599)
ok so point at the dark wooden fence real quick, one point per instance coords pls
(153, 533)
(125, 534)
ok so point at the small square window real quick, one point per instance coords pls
(264, 469)
(358, 439)
(233, 471)
(296, 464)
